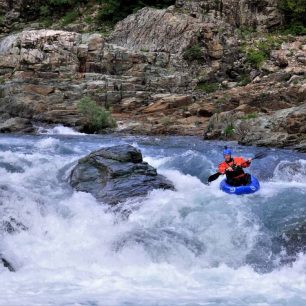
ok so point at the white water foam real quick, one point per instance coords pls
(183, 247)
(59, 130)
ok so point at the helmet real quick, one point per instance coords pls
(227, 151)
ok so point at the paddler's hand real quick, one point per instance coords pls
(229, 169)
(249, 159)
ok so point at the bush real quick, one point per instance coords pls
(295, 15)
(97, 117)
(207, 87)
(69, 18)
(294, 10)
(229, 130)
(115, 10)
(256, 57)
(193, 53)
(295, 28)
(244, 80)
(249, 116)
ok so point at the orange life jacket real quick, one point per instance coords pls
(235, 161)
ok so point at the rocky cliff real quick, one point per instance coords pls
(198, 67)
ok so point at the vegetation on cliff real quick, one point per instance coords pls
(70, 10)
(97, 117)
(295, 15)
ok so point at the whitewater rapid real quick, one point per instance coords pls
(192, 246)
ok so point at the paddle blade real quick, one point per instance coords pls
(260, 155)
(213, 177)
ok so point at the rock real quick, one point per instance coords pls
(7, 264)
(167, 102)
(17, 125)
(260, 15)
(202, 109)
(115, 174)
(12, 226)
(293, 240)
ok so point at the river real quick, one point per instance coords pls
(193, 246)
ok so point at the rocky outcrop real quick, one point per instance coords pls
(115, 174)
(17, 125)
(49, 71)
(260, 14)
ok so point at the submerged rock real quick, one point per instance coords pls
(6, 264)
(293, 241)
(114, 174)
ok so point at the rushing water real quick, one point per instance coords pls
(192, 246)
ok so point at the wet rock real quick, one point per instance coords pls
(115, 174)
(7, 264)
(12, 226)
(17, 125)
(293, 240)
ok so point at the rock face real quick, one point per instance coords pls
(259, 14)
(115, 174)
(45, 72)
(179, 70)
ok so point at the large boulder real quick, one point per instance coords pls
(114, 174)
(16, 125)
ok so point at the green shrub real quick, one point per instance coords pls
(69, 17)
(88, 19)
(249, 116)
(115, 10)
(97, 117)
(244, 80)
(193, 53)
(256, 57)
(296, 28)
(207, 87)
(260, 50)
(229, 130)
(294, 10)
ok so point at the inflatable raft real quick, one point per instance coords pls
(251, 188)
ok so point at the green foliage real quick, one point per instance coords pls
(229, 130)
(69, 17)
(207, 87)
(261, 50)
(1, 19)
(294, 10)
(244, 80)
(245, 32)
(295, 28)
(256, 57)
(98, 117)
(295, 14)
(115, 10)
(88, 20)
(249, 116)
(193, 53)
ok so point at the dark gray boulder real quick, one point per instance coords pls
(7, 264)
(114, 174)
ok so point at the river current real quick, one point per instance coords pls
(192, 246)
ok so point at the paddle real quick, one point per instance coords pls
(259, 155)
